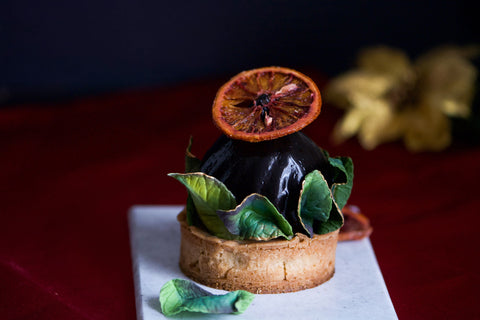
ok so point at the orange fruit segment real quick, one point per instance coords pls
(265, 104)
(356, 225)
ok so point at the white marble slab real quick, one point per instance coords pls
(357, 291)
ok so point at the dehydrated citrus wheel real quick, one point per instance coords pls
(266, 103)
(356, 225)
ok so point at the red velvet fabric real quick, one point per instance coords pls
(70, 171)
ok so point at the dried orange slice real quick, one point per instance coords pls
(265, 104)
(356, 226)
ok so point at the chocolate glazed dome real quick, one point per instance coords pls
(274, 168)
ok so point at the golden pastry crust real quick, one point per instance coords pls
(274, 266)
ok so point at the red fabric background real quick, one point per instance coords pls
(70, 171)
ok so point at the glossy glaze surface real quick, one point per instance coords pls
(274, 168)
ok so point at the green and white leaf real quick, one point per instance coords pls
(179, 295)
(192, 216)
(208, 195)
(334, 222)
(256, 218)
(315, 202)
(192, 163)
(342, 179)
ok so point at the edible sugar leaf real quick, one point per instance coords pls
(334, 222)
(179, 295)
(342, 179)
(192, 163)
(315, 202)
(338, 170)
(208, 195)
(256, 218)
(192, 216)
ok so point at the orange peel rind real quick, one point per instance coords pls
(356, 225)
(265, 104)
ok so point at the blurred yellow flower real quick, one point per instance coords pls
(388, 97)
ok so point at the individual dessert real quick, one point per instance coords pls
(264, 204)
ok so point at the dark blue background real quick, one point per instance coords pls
(53, 49)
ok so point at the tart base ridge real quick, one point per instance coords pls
(274, 266)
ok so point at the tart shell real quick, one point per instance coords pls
(274, 266)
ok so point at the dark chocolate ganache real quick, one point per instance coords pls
(274, 168)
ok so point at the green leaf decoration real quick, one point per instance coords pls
(256, 218)
(179, 295)
(342, 179)
(192, 163)
(315, 201)
(192, 216)
(334, 222)
(338, 170)
(208, 195)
